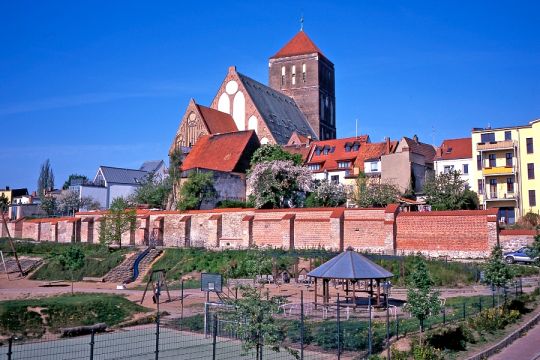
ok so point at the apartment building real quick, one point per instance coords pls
(506, 174)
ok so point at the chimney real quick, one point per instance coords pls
(415, 138)
(7, 188)
(388, 145)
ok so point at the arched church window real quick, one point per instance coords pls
(283, 72)
(293, 78)
(304, 73)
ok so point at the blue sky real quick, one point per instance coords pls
(106, 83)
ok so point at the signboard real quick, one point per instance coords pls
(211, 282)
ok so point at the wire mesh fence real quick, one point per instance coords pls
(332, 331)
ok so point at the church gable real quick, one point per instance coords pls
(191, 128)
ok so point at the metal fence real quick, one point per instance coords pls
(307, 332)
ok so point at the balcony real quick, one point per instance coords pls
(495, 145)
(500, 196)
(498, 170)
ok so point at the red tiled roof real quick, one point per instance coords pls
(217, 121)
(300, 44)
(373, 151)
(421, 148)
(455, 149)
(298, 149)
(221, 152)
(330, 160)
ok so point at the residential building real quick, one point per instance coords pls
(12, 194)
(156, 167)
(227, 156)
(409, 165)
(455, 155)
(506, 174)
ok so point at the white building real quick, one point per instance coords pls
(455, 155)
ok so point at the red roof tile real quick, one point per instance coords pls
(421, 148)
(222, 152)
(217, 121)
(455, 149)
(300, 44)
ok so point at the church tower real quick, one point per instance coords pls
(301, 71)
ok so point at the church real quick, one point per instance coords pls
(299, 100)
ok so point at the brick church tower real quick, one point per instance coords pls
(301, 71)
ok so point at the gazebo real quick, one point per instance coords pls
(350, 267)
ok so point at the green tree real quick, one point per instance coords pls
(73, 177)
(117, 221)
(49, 205)
(46, 178)
(175, 174)
(448, 191)
(153, 192)
(72, 259)
(369, 194)
(269, 152)
(497, 272)
(534, 250)
(198, 188)
(327, 194)
(255, 323)
(422, 299)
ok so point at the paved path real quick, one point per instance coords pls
(525, 348)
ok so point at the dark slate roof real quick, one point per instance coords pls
(151, 166)
(350, 265)
(280, 112)
(123, 176)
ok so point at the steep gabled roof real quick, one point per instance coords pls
(122, 176)
(216, 121)
(452, 149)
(428, 151)
(222, 152)
(300, 44)
(280, 112)
(151, 165)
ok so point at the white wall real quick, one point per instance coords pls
(458, 166)
(323, 176)
(97, 193)
(117, 190)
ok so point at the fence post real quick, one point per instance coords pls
(302, 325)
(10, 348)
(214, 336)
(387, 328)
(369, 325)
(92, 344)
(157, 335)
(338, 330)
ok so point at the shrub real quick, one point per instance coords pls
(425, 352)
(454, 337)
(491, 320)
(224, 204)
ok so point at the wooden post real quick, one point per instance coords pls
(378, 292)
(315, 293)
(354, 293)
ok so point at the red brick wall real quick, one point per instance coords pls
(458, 234)
(364, 229)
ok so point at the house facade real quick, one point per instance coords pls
(506, 174)
(455, 155)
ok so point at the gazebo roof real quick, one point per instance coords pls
(350, 265)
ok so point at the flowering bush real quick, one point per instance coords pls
(327, 194)
(493, 319)
(278, 184)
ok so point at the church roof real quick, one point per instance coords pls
(217, 121)
(280, 112)
(228, 152)
(300, 44)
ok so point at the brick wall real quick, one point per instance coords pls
(458, 234)
(512, 240)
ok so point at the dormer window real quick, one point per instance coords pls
(344, 164)
(356, 146)
(314, 167)
(317, 151)
(326, 150)
(347, 147)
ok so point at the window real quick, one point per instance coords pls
(530, 147)
(374, 166)
(478, 162)
(283, 73)
(344, 164)
(347, 147)
(532, 198)
(509, 159)
(448, 169)
(465, 169)
(507, 135)
(487, 137)
(530, 171)
(304, 73)
(293, 78)
(492, 160)
(334, 179)
(480, 187)
(493, 182)
(510, 185)
(355, 146)
(314, 167)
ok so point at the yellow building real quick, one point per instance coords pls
(507, 170)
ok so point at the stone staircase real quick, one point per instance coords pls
(123, 273)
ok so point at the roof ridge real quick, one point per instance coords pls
(119, 168)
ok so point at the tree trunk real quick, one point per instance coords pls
(11, 245)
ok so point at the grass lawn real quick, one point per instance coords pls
(99, 259)
(26, 317)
